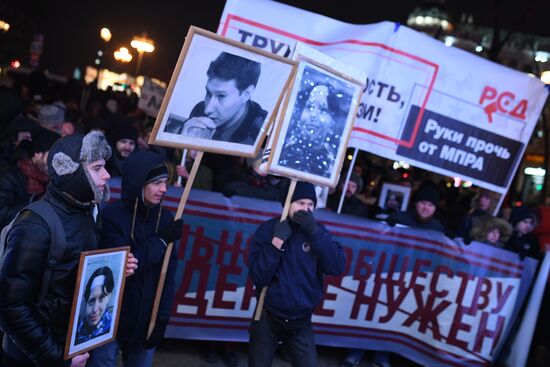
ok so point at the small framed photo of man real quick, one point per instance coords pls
(312, 136)
(221, 97)
(97, 299)
(394, 197)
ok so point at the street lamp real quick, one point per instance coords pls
(105, 34)
(142, 44)
(123, 55)
(4, 26)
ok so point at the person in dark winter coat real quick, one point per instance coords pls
(483, 205)
(352, 204)
(27, 180)
(422, 213)
(523, 241)
(290, 258)
(138, 220)
(256, 184)
(493, 231)
(35, 332)
(20, 129)
(124, 140)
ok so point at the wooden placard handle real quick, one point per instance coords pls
(261, 299)
(166, 260)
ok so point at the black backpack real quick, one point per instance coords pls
(57, 234)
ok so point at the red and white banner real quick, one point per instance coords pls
(437, 107)
(408, 291)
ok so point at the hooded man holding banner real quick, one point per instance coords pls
(290, 257)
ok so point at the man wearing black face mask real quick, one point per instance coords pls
(35, 329)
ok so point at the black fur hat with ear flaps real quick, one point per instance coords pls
(65, 165)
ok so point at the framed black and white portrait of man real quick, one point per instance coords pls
(221, 97)
(312, 136)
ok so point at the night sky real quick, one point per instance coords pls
(71, 28)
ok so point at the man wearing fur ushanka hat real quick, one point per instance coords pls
(35, 329)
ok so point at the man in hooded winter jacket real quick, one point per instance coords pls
(35, 331)
(290, 258)
(138, 220)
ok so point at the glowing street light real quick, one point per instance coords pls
(142, 45)
(105, 34)
(123, 55)
(4, 26)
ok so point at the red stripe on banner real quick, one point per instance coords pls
(225, 217)
(363, 237)
(518, 267)
(429, 250)
(233, 209)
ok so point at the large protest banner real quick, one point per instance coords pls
(412, 292)
(437, 107)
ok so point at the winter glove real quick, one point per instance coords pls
(282, 230)
(157, 335)
(171, 232)
(304, 219)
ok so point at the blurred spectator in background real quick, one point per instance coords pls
(483, 204)
(352, 204)
(421, 214)
(19, 130)
(203, 178)
(493, 231)
(27, 180)
(124, 140)
(523, 241)
(256, 184)
(52, 117)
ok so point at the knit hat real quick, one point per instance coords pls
(427, 193)
(97, 123)
(43, 139)
(20, 124)
(520, 213)
(51, 115)
(304, 190)
(354, 177)
(157, 173)
(65, 165)
(125, 131)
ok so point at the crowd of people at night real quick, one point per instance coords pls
(63, 142)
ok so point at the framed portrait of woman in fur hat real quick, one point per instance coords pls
(312, 135)
(97, 299)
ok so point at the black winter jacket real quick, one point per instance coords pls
(146, 246)
(294, 274)
(13, 194)
(40, 331)
(408, 218)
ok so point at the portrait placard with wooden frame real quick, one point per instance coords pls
(97, 300)
(222, 96)
(313, 133)
(394, 197)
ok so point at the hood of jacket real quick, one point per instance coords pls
(134, 175)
